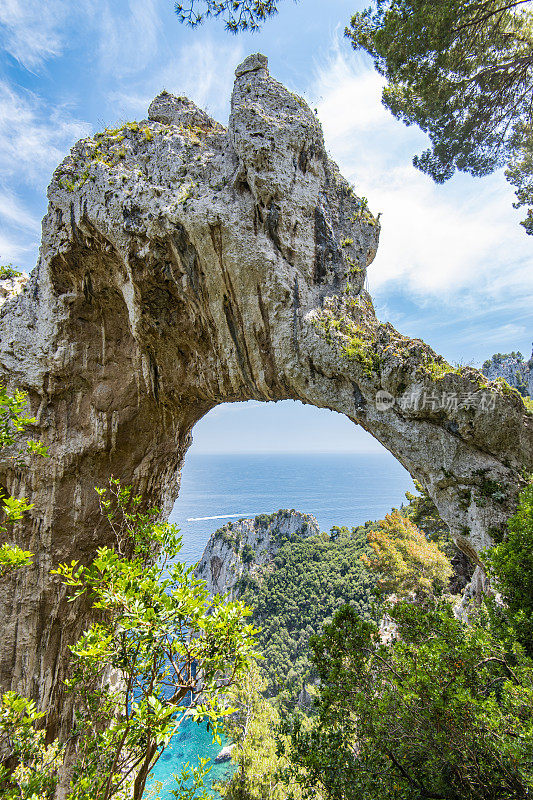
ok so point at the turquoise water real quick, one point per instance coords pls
(345, 489)
(191, 741)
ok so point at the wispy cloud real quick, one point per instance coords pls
(30, 29)
(202, 71)
(33, 137)
(13, 250)
(461, 242)
(129, 36)
(14, 212)
(19, 227)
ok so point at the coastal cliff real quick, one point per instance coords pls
(247, 546)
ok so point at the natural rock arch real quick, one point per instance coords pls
(183, 266)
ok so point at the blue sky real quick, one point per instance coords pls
(453, 267)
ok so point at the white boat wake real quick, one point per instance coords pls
(225, 516)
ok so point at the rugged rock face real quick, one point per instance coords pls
(247, 546)
(512, 368)
(183, 265)
(11, 287)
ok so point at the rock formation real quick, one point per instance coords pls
(245, 547)
(225, 754)
(512, 368)
(182, 266)
(11, 286)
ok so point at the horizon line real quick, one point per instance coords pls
(288, 452)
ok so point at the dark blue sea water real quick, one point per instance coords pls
(345, 489)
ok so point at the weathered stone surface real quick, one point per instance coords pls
(245, 547)
(512, 368)
(183, 266)
(171, 110)
(225, 753)
(11, 287)
(253, 62)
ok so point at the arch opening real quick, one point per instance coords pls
(252, 458)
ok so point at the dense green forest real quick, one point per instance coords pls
(443, 710)
(307, 582)
(310, 579)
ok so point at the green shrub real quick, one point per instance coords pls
(443, 711)
(9, 272)
(510, 563)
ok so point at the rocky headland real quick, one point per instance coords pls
(513, 368)
(247, 546)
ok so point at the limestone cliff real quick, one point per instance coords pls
(184, 265)
(247, 546)
(513, 368)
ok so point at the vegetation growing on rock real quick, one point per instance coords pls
(514, 369)
(405, 560)
(7, 272)
(307, 582)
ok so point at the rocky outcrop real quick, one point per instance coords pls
(182, 266)
(245, 547)
(11, 286)
(512, 367)
(225, 754)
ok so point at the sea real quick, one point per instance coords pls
(338, 489)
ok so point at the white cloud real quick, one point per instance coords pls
(33, 137)
(202, 71)
(460, 242)
(31, 29)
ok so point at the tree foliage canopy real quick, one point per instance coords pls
(251, 728)
(174, 652)
(404, 558)
(442, 712)
(462, 70)
(238, 15)
(159, 651)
